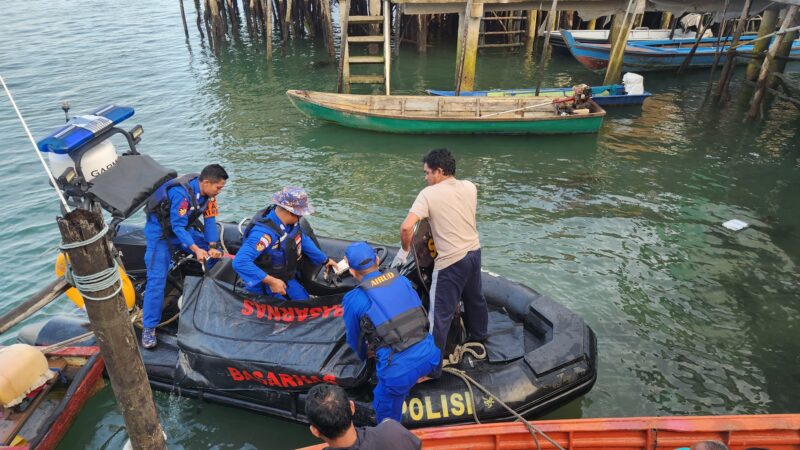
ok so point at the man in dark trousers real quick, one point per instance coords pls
(450, 205)
(172, 215)
(384, 317)
(330, 413)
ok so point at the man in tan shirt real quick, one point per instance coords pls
(450, 204)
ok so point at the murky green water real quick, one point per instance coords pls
(623, 227)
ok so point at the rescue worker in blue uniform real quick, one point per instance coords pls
(384, 318)
(173, 212)
(272, 245)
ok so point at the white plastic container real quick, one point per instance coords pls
(634, 83)
(95, 161)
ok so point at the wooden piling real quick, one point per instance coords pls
(666, 20)
(36, 302)
(530, 32)
(114, 331)
(266, 5)
(327, 28)
(591, 25)
(727, 70)
(469, 32)
(779, 64)
(769, 19)
(763, 75)
(623, 22)
(686, 61)
(551, 22)
(217, 24)
(199, 20)
(422, 33)
(183, 19)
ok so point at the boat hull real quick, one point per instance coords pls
(433, 125)
(615, 96)
(546, 357)
(51, 416)
(655, 55)
(625, 433)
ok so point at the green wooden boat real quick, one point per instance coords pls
(422, 114)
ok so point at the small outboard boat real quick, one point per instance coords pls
(223, 344)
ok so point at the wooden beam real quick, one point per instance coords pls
(769, 19)
(36, 302)
(763, 75)
(666, 19)
(530, 41)
(622, 23)
(468, 55)
(727, 70)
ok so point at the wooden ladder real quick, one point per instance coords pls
(508, 25)
(346, 60)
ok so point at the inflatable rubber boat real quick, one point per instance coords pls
(223, 344)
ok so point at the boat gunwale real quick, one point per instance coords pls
(295, 94)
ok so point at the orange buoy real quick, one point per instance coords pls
(75, 296)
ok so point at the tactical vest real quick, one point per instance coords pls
(159, 204)
(394, 319)
(283, 263)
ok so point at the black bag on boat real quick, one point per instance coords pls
(238, 341)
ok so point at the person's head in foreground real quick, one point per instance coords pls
(330, 413)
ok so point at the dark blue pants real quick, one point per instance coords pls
(460, 281)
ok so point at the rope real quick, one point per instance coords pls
(36, 149)
(91, 240)
(469, 381)
(557, 100)
(95, 282)
(476, 349)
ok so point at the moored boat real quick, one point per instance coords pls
(223, 344)
(659, 54)
(44, 415)
(767, 431)
(605, 96)
(420, 114)
(635, 35)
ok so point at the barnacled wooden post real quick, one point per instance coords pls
(763, 75)
(113, 329)
(730, 56)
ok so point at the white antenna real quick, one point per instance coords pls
(35, 148)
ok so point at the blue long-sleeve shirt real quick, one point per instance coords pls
(180, 210)
(356, 303)
(264, 239)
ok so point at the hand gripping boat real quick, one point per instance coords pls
(225, 345)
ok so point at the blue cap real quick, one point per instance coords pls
(360, 255)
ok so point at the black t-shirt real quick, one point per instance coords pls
(388, 435)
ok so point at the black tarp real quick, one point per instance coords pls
(238, 341)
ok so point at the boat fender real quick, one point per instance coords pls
(75, 296)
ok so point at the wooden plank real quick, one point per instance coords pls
(504, 18)
(365, 39)
(366, 60)
(490, 33)
(366, 79)
(360, 20)
(513, 44)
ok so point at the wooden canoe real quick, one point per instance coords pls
(769, 431)
(421, 114)
(609, 95)
(42, 420)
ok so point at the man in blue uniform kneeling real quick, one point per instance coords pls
(272, 245)
(172, 214)
(384, 317)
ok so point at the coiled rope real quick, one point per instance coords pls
(95, 282)
(478, 350)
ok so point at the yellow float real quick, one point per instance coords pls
(75, 296)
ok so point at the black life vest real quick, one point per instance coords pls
(282, 264)
(159, 203)
(394, 319)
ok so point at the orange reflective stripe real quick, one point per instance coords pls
(211, 209)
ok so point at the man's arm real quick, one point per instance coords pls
(179, 217)
(210, 222)
(407, 230)
(311, 250)
(354, 307)
(245, 261)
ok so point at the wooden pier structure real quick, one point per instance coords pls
(372, 31)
